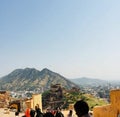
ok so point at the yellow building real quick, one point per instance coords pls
(35, 100)
(110, 110)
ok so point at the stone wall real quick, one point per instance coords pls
(110, 110)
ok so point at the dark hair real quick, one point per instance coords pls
(81, 107)
(17, 113)
(58, 108)
(70, 112)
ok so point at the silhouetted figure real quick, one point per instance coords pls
(38, 111)
(32, 113)
(53, 112)
(81, 109)
(59, 113)
(17, 114)
(70, 113)
(48, 113)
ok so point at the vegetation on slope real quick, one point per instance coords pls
(72, 97)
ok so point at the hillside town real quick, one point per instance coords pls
(20, 101)
(55, 94)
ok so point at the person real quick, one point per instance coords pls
(59, 113)
(48, 113)
(38, 111)
(81, 108)
(70, 114)
(17, 114)
(32, 113)
(27, 112)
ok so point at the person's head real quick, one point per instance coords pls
(70, 112)
(58, 109)
(37, 105)
(81, 108)
(16, 113)
(48, 110)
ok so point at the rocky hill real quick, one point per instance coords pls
(32, 79)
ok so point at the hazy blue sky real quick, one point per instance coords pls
(74, 38)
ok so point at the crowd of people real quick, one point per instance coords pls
(81, 109)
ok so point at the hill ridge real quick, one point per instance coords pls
(31, 79)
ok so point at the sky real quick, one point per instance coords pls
(75, 38)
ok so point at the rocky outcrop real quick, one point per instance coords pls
(4, 99)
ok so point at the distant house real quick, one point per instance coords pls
(23, 104)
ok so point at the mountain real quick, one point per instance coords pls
(89, 81)
(32, 79)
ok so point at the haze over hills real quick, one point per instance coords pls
(32, 79)
(94, 82)
(89, 81)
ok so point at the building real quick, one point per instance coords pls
(32, 102)
(54, 98)
(23, 104)
(110, 110)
